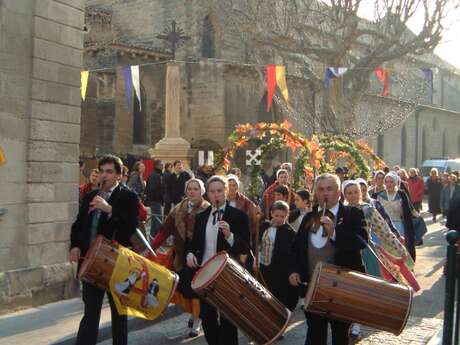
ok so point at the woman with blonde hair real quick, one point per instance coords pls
(434, 188)
(136, 181)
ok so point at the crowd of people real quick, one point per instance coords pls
(366, 225)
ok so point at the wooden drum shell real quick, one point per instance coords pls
(352, 296)
(243, 301)
(100, 260)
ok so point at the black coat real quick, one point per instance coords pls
(276, 275)
(350, 227)
(176, 186)
(120, 226)
(154, 190)
(453, 215)
(239, 226)
(434, 195)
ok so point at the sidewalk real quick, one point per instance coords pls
(57, 323)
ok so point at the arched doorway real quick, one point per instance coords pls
(139, 119)
(404, 146)
(444, 144)
(424, 147)
(380, 145)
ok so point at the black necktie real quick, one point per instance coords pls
(217, 216)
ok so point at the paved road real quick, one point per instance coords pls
(425, 320)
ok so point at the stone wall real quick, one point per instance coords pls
(429, 132)
(41, 53)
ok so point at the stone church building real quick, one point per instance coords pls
(217, 89)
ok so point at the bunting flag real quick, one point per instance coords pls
(127, 76)
(281, 82)
(333, 72)
(382, 75)
(429, 76)
(271, 84)
(136, 83)
(2, 157)
(84, 83)
(276, 75)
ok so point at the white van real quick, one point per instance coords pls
(443, 165)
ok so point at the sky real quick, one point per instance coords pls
(449, 48)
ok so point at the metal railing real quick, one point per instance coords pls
(452, 296)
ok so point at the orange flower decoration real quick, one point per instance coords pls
(286, 124)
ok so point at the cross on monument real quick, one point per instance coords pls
(175, 36)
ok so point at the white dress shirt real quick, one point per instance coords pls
(212, 231)
(317, 238)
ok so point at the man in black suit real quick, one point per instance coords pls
(338, 241)
(110, 211)
(220, 228)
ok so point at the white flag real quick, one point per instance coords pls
(136, 83)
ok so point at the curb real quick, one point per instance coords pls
(134, 324)
(436, 339)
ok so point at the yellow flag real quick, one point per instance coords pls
(2, 157)
(139, 287)
(84, 83)
(281, 82)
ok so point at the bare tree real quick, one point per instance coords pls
(310, 35)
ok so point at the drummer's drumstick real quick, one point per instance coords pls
(303, 283)
(324, 213)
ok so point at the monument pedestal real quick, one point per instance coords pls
(171, 149)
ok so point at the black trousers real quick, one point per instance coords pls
(89, 325)
(217, 331)
(318, 327)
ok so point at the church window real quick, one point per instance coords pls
(208, 49)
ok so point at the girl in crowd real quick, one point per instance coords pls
(398, 206)
(91, 185)
(302, 201)
(241, 202)
(276, 240)
(136, 180)
(378, 184)
(180, 223)
(381, 238)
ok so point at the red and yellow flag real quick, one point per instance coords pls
(2, 157)
(276, 75)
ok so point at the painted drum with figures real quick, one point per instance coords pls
(139, 287)
(234, 292)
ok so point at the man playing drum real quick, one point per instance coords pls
(331, 233)
(110, 211)
(219, 228)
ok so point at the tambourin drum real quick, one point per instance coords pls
(239, 297)
(99, 262)
(347, 295)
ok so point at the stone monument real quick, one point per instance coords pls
(172, 146)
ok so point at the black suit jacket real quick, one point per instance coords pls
(349, 228)
(120, 226)
(239, 226)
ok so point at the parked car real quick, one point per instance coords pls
(443, 165)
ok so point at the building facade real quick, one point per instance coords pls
(41, 49)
